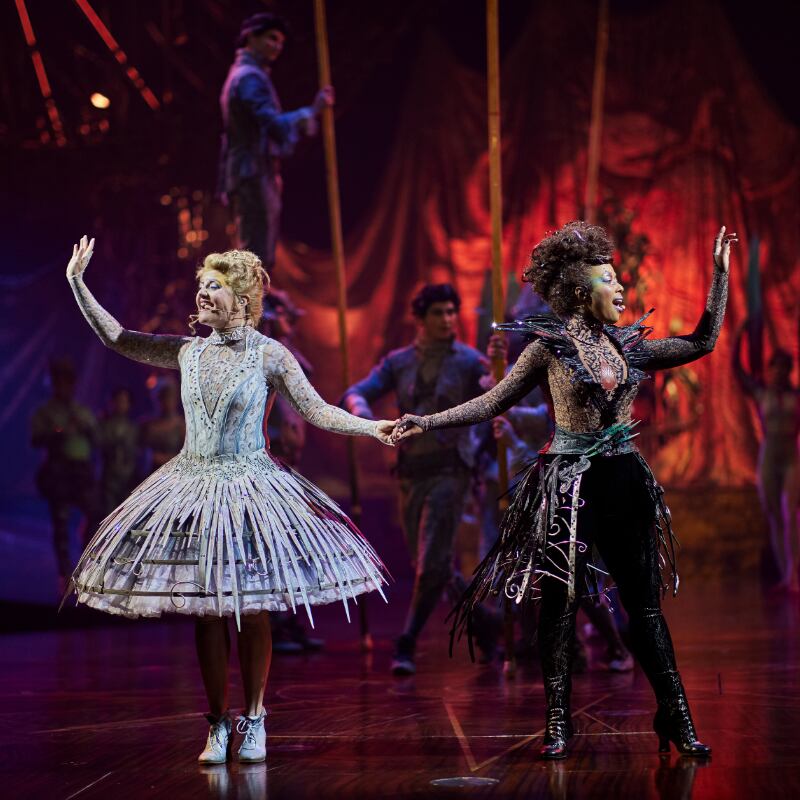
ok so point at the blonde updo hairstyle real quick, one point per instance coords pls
(243, 275)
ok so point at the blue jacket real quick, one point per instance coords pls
(457, 382)
(256, 131)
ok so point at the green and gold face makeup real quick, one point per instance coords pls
(606, 300)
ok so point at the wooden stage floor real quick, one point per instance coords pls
(112, 712)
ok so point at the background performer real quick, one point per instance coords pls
(67, 431)
(258, 134)
(435, 372)
(778, 404)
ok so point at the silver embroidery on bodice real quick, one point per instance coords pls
(224, 393)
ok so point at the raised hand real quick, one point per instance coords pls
(385, 429)
(81, 253)
(722, 249)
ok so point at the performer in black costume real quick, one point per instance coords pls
(590, 487)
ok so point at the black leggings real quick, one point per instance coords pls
(616, 517)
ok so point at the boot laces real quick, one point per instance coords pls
(248, 727)
(216, 731)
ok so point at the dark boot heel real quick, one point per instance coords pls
(673, 720)
(660, 728)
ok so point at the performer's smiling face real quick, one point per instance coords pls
(217, 305)
(439, 322)
(267, 45)
(605, 301)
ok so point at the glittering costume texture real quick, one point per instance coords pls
(223, 528)
(537, 533)
(580, 404)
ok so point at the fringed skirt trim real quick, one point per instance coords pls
(225, 535)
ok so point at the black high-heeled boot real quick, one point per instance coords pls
(673, 720)
(558, 725)
(653, 646)
(555, 649)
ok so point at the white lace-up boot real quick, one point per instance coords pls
(254, 746)
(218, 745)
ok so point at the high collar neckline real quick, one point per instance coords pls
(228, 336)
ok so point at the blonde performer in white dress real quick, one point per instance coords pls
(223, 529)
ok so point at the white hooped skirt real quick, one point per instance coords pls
(225, 535)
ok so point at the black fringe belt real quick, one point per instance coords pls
(538, 533)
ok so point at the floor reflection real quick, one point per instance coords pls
(236, 781)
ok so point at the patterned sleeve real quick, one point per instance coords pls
(529, 370)
(287, 377)
(158, 350)
(674, 351)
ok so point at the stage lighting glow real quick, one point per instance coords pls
(99, 100)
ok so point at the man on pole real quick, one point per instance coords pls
(258, 134)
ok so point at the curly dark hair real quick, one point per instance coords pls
(560, 263)
(434, 293)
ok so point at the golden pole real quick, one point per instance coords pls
(498, 300)
(596, 121)
(337, 246)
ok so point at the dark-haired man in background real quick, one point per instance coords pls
(258, 134)
(434, 373)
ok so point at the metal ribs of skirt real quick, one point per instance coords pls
(539, 535)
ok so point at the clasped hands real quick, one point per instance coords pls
(393, 431)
